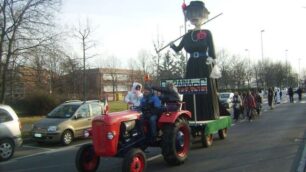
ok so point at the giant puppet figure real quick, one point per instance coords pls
(198, 43)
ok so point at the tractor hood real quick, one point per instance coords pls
(118, 117)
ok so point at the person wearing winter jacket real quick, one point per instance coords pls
(134, 96)
(249, 104)
(237, 102)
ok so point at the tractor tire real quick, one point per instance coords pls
(86, 159)
(176, 142)
(222, 133)
(206, 140)
(7, 149)
(134, 161)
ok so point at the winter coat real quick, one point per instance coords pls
(134, 96)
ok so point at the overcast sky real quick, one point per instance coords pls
(124, 27)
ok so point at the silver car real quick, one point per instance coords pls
(10, 135)
(68, 121)
(226, 99)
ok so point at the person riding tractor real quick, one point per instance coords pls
(151, 107)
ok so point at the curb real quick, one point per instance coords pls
(302, 162)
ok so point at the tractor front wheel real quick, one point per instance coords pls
(134, 161)
(86, 159)
(176, 142)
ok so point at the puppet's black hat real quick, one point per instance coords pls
(197, 5)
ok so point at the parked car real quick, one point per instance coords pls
(68, 121)
(226, 99)
(10, 134)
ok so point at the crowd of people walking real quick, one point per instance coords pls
(248, 105)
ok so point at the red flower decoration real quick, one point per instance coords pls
(201, 35)
(184, 6)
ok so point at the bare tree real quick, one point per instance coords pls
(84, 32)
(224, 63)
(112, 63)
(23, 25)
(145, 62)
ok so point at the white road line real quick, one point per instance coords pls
(36, 147)
(154, 157)
(45, 152)
(302, 163)
(45, 167)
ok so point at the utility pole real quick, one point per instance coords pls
(84, 68)
(262, 53)
(287, 71)
(299, 61)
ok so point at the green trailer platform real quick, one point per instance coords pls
(206, 129)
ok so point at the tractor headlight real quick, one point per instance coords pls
(110, 135)
(52, 128)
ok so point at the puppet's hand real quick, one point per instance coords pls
(172, 45)
(210, 61)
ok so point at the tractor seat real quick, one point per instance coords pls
(173, 106)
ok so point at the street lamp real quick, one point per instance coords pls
(299, 72)
(262, 54)
(287, 70)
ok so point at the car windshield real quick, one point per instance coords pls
(63, 111)
(224, 96)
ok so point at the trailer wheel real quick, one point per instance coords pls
(86, 159)
(134, 161)
(206, 140)
(176, 142)
(222, 133)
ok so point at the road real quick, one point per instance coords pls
(275, 142)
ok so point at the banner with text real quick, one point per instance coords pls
(188, 86)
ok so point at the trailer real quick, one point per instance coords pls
(201, 129)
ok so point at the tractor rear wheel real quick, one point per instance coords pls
(86, 159)
(176, 142)
(134, 161)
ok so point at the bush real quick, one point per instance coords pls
(36, 104)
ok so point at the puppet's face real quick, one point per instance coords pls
(197, 13)
(197, 21)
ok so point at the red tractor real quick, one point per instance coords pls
(122, 134)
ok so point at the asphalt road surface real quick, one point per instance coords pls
(275, 142)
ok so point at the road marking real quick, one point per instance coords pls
(154, 157)
(36, 147)
(41, 168)
(302, 163)
(48, 151)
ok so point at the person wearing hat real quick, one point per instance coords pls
(150, 107)
(198, 43)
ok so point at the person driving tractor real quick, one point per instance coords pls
(150, 107)
(169, 96)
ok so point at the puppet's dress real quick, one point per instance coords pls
(199, 45)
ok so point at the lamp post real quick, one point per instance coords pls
(247, 53)
(299, 60)
(262, 53)
(287, 71)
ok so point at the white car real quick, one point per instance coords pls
(10, 135)
(226, 99)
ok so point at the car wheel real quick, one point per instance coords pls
(7, 149)
(67, 137)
